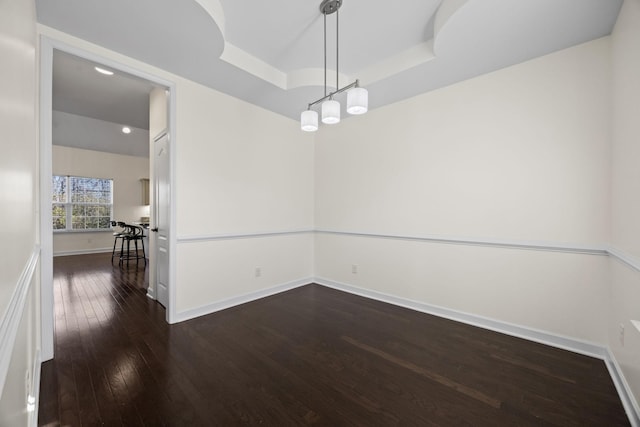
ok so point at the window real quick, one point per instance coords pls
(81, 204)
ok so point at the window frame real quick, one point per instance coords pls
(68, 205)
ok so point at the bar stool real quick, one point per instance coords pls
(133, 233)
(118, 234)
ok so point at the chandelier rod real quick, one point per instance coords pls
(337, 44)
(325, 54)
(332, 94)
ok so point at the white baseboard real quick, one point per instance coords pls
(240, 299)
(35, 389)
(83, 252)
(626, 395)
(543, 337)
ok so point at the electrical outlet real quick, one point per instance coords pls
(258, 272)
(622, 334)
(354, 269)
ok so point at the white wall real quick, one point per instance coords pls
(519, 155)
(126, 172)
(239, 170)
(242, 169)
(19, 252)
(625, 292)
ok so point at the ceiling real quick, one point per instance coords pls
(271, 53)
(90, 109)
(79, 89)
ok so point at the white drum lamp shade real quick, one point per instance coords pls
(357, 97)
(330, 112)
(309, 121)
(357, 101)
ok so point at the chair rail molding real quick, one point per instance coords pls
(234, 236)
(474, 241)
(11, 319)
(624, 258)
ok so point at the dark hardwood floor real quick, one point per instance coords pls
(312, 355)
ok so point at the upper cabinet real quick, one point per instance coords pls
(145, 191)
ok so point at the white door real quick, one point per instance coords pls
(162, 193)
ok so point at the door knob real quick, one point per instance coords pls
(155, 229)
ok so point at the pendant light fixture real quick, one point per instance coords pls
(357, 97)
(309, 121)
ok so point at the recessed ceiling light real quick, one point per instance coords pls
(126, 130)
(103, 71)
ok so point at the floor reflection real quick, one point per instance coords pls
(98, 334)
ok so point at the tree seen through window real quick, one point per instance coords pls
(80, 203)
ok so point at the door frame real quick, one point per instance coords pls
(47, 46)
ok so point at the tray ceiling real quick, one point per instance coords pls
(271, 53)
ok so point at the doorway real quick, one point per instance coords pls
(48, 48)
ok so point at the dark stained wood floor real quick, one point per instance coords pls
(309, 356)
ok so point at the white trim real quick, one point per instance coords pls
(624, 258)
(214, 237)
(539, 336)
(566, 343)
(472, 241)
(47, 45)
(543, 337)
(46, 221)
(35, 388)
(83, 252)
(172, 130)
(618, 254)
(13, 315)
(111, 63)
(240, 299)
(469, 241)
(617, 375)
(626, 395)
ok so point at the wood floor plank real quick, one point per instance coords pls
(66, 330)
(92, 339)
(309, 356)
